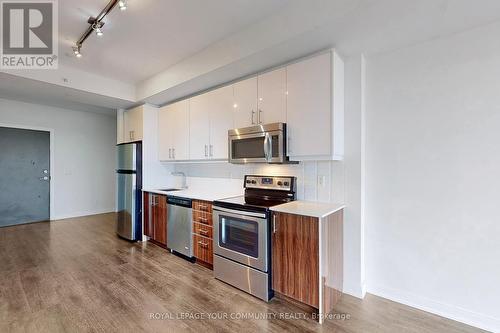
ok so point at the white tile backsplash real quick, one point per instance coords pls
(316, 180)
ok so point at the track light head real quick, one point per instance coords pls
(122, 4)
(97, 26)
(77, 51)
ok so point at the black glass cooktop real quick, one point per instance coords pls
(249, 203)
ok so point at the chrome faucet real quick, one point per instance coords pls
(184, 179)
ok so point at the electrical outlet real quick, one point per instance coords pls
(322, 181)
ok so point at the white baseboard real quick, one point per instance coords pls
(81, 214)
(358, 291)
(456, 313)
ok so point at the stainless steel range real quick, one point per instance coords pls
(242, 233)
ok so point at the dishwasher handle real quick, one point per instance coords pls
(183, 202)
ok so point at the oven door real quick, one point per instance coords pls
(242, 237)
(262, 147)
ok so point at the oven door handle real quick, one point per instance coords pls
(223, 231)
(239, 212)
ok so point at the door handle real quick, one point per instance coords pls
(274, 223)
(260, 118)
(268, 147)
(170, 153)
(173, 153)
(253, 113)
(204, 245)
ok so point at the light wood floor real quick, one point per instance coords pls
(76, 276)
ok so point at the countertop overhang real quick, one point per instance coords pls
(196, 194)
(308, 208)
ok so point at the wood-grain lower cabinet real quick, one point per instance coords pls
(155, 217)
(307, 259)
(295, 257)
(203, 232)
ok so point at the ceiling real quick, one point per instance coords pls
(152, 35)
(32, 91)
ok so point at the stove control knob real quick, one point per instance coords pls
(254, 182)
(280, 184)
(248, 181)
(286, 183)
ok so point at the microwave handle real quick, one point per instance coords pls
(268, 147)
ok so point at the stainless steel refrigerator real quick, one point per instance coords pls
(129, 191)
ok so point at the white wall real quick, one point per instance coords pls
(433, 162)
(84, 155)
(354, 217)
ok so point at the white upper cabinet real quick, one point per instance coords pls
(221, 121)
(315, 108)
(272, 97)
(181, 131)
(173, 132)
(165, 135)
(211, 116)
(132, 125)
(307, 95)
(245, 103)
(199, 127)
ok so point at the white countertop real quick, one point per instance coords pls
(308, 208)
(198, 194)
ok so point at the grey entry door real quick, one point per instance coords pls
(24, 176)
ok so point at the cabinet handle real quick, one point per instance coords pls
(203, 232)
(274, 223)
(206, 151)
(260, 118)
(173, 153)
(170, 153)
(211, 151)
(131, 135)
(253, 113)
(204, 245)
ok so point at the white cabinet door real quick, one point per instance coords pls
(272, 97)
(132, 123)
(165, 133)
(245, 103)
(180, 130)
(221, 121)
(199, 127)
(309, 117)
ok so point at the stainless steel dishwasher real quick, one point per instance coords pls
(180, 225)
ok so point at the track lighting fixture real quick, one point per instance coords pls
(96, 24)
(76, 51)
(122, 4)
(97, 28)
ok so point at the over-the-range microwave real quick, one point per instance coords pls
(258, 144)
